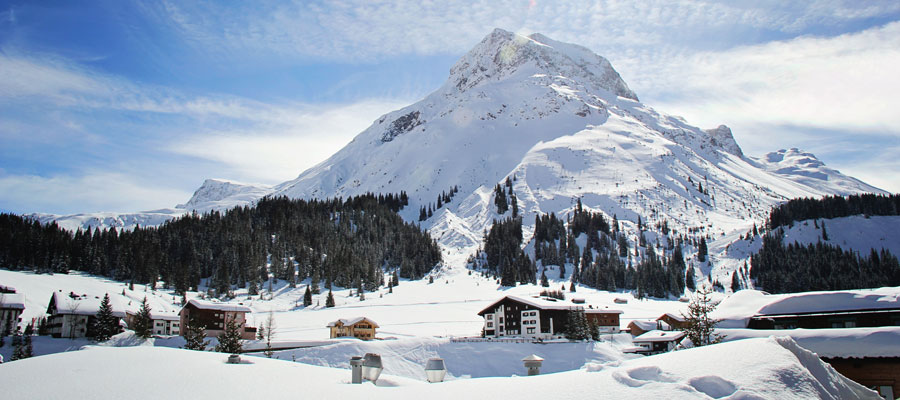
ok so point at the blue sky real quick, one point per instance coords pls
(127, 106)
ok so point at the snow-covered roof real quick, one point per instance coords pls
(659, 336)
(214, 305)
(541, 303)
(7, 289)
(352, 321)
(12, 300)
(84, 304)
(816, 302)
(676, 317)
(602, 311)
(833, 343)
(164, 315)
(645, 324)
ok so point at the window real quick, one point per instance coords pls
(501, 320)
(489, 316)
(490, 324)
(529, 331)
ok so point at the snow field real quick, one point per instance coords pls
(748, 369)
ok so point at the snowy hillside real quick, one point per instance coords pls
(561, 122)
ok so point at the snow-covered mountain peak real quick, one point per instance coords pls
(214, 191)
(503, 54)
(805, 168)
(722, 138)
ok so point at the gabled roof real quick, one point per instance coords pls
(644, 324)
(354, 321)
(659, 336)
(12, 301)
(83, 304)
(678, 318)
(536, 302)
(214, 305)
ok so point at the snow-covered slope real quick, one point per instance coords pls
(562, 123)
(806, 169)
(214, 194)
(753, 368)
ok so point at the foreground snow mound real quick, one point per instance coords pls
(749, 369)
(406, 357)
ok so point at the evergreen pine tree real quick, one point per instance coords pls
(689, 279)
(544, 281)
(329, 301)
(195, 335)
(699, 327)
(28, 348)
(702, 250)
(230, 338)
(105, 324)
(143, 324)
(307, 297)
(735, 282)
(577, 325)
(18, 347)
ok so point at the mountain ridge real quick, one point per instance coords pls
(507, 110)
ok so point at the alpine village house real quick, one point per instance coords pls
(360, 328)
(215, 315)
(540, 317)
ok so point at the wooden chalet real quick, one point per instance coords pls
(671, 322)
(817, 310)
(214, 316)
(856, 331)
(639, 327)
(530, 317)
(607, 320)
(657, 341)
(360, 328)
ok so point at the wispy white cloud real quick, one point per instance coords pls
(278, 153)
(364, 30)
(85, 191)
(845, 82)
(200, 136)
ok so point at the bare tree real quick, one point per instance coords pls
(269, 333)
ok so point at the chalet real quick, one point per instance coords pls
(214, 315)
(817, 310)
(607, 320)
(657, 341)
(531, 317)
(12, 305)
(856, 331)
(360, 328)
(639, 327)
(869, 356)
(671, 322)
(73, 315)
(164, 323)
